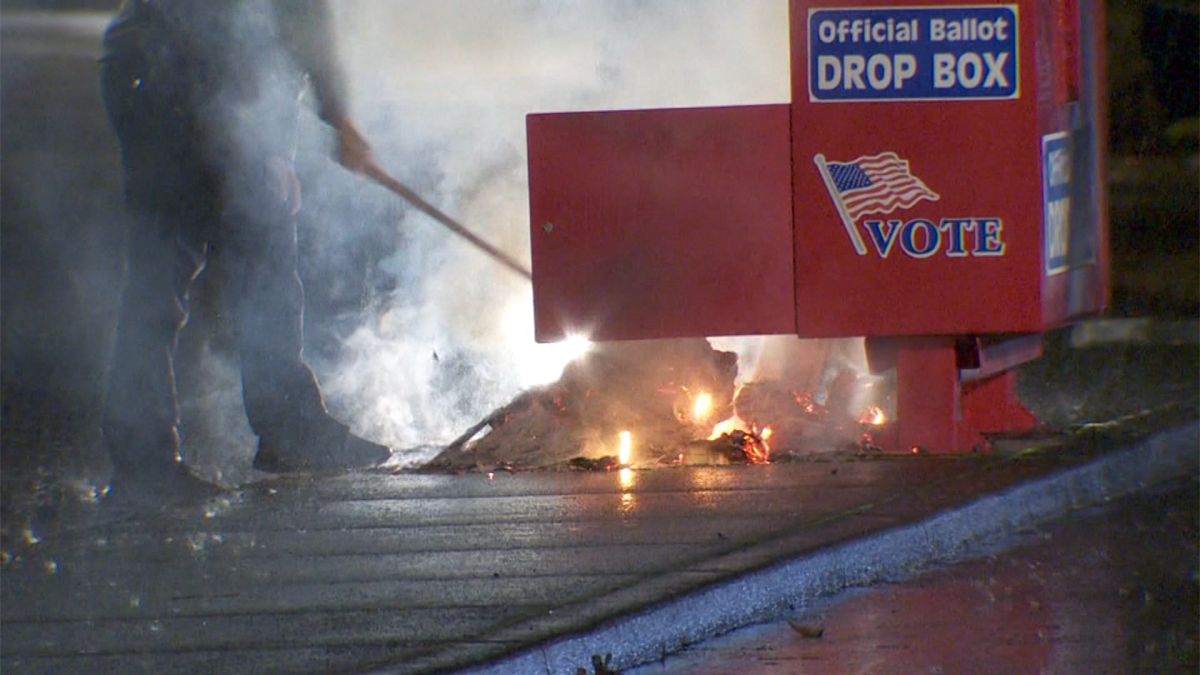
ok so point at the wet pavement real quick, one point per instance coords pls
(1112, 589)
(522, 572)
(361, 571)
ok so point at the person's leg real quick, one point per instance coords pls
(140, 417)
(164, 191)
(257, 254)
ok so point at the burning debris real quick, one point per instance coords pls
(648, 398)
(733, 447)
(655, 403)
(599, 464)
(803, 423)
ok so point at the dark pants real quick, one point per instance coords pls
(194, 198)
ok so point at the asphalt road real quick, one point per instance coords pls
(1114, 589)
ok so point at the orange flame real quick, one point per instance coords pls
(873, 416)
(624, 450)
(756, 448)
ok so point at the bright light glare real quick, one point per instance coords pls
(550, 359)
(703, 406)
(729, 426)
(624, 450)
(574, 347)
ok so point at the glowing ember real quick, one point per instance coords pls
(809, 405)
(624, 450)
(703, 407)
(748, 447)
(873, 416)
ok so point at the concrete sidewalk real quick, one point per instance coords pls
(524, 573)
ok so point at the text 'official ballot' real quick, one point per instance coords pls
(913, 53)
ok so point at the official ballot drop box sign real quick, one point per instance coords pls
(946, 165)
(937, 172)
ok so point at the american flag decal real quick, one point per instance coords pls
(876, 184)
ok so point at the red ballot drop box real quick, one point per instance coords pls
(935, 185)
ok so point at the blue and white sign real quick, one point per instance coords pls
(913, 54)
(1056, 201)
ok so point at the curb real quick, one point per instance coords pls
(975, 529)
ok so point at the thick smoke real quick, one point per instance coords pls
(442, 89)
(414, 334)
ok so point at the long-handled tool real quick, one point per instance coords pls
(376, 173)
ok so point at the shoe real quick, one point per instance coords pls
(333, 449)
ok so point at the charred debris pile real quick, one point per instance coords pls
(658, 403)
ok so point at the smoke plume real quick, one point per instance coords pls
(443, 334)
